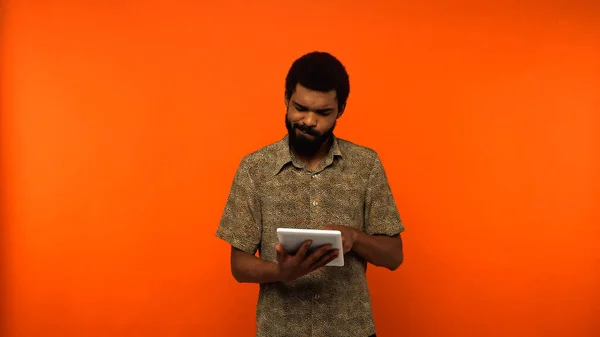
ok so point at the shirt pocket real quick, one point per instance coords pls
(343, 205)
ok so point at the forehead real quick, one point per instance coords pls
(314, 99)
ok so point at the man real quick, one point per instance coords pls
(312, 179)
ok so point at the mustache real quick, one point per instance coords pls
(306, 129)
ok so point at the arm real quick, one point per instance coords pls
(380, 250)
(241, 227)
(380, 243)
(247, 268)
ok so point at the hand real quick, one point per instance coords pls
(349, 236)
(294, 266)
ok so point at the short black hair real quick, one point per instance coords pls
(319, 71)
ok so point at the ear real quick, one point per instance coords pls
(341, 112)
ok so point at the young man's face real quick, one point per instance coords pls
(310, 118)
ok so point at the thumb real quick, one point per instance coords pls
(279, 250)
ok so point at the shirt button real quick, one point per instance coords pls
(314, 203)
(317, 297)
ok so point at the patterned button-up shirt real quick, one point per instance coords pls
(272, 189)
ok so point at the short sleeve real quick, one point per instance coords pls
(381, 214)
(241, 224)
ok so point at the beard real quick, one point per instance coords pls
(304, 145)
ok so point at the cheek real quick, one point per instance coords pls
(326, 123)
(293, 115)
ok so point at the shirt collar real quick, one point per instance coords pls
(283, 154)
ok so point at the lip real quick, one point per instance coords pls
(305, 133)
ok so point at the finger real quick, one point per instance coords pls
(344, 241)
(322, 259)
(333, 257)
(347, 247)
(303, 249)
(325, 259)
(316, 255)
(280, 252)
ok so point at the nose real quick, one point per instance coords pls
(310, 119)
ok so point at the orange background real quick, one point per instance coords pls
(123, 124)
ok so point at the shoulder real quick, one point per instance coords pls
(265, 154)
(264, 159)
(360, 159)
(357, 152)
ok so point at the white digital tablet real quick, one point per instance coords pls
(293, 238)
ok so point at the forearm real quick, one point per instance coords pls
(247, 268)
(379, 250)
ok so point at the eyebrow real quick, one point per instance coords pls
(324, 109)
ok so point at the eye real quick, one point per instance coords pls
(299, 107)
(324, 112)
